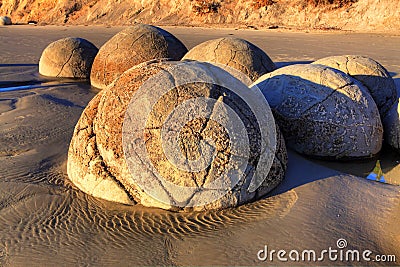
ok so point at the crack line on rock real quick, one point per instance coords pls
(327, 97)
(216, 48)
(156, 178)
(62, 67)
(97, 151)
(346, 65)
(102, 163)
(208, 169)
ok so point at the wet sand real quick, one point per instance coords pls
(46, 221)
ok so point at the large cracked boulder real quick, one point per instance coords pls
(323, 112)
(233, 52)
(4, 20)
(69, 58)
(380, 85)
(135, 144)
(370, 73)
(130, 47)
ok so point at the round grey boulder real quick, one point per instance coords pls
(130, 47)
(323, 112)
(233, 52)
(391, 124)
(4, 20)
(68, 58)
(121, 146)
(370, 73)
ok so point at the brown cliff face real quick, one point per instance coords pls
(361, 15)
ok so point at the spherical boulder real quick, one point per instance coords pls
(160, 137)
(370, 73)
(233, 52)
(323, 112)
(68, 58)
(4, 20)
(130, 47)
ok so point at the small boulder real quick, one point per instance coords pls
(68, 58)
(122, 145)
(323, 112)
(130, 47)
(233, 52)
(4, 20)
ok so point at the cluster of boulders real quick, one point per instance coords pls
(379, 84)
(335, 108)
(339, 107)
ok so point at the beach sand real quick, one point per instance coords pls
(44, 220)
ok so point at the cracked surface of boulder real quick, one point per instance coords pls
(4, 20)
(130, 47)
(233, 52)
(85, 166)
(380, 85)
(323, 112)
(370, 73)
(69, 58)
(99, 164)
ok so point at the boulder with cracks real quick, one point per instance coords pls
(233, 52)
(130, 47)
(323, 112)
(371, 74)
(116, 155)
(380, 85)
(68, 58)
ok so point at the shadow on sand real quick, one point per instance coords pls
(17, 65)
(301, 171)
(288, 63)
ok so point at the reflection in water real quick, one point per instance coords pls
(33, 85)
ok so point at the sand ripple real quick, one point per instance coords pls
(55, 220)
